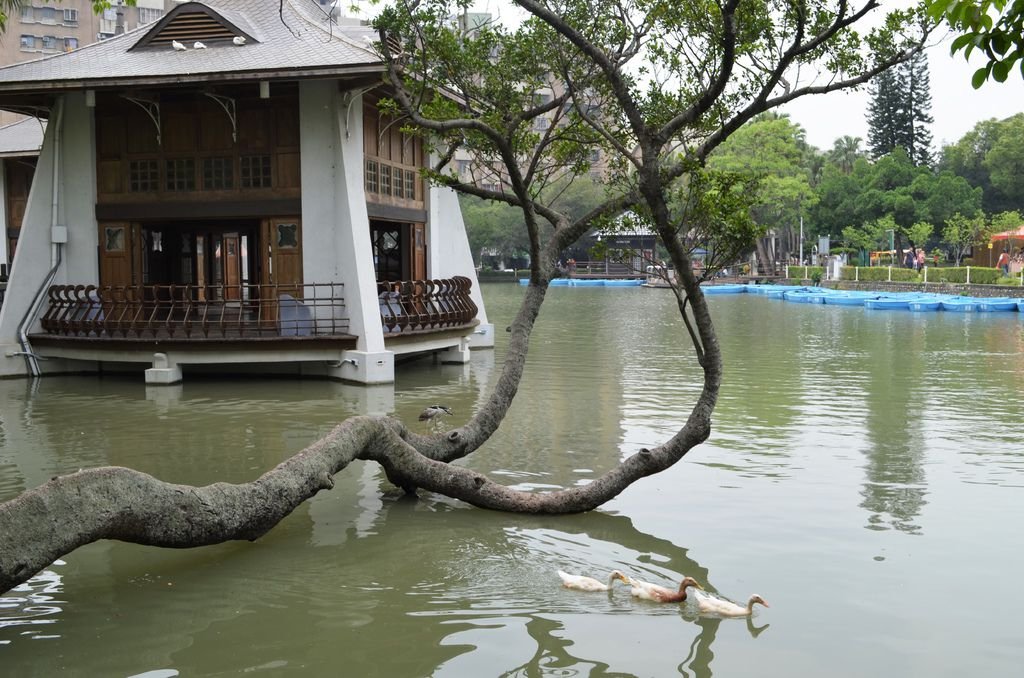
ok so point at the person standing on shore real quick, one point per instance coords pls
(1004, 262)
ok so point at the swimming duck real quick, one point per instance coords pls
(661, 594)
(582, 583)
(727, 608)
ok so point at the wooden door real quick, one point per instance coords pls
(419, 252)
(281, 264)
(232, 267)
(281, 252)
(119, 253)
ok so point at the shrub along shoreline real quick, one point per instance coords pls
(984, 281)
(973, 275)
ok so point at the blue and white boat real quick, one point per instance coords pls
(803, 297)
(724, 289)
(924, 304)
(850, 298)
(960, 305)
(994, 304)
(889, 303)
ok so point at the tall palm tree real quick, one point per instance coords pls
(845, 151)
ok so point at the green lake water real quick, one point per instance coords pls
(865, 475)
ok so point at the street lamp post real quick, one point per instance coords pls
(801, 239)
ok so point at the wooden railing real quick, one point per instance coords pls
(423, 305)
(196, 311)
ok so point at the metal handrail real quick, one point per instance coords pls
(408, 306)
(196, 311)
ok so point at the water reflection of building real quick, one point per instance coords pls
(894, 490)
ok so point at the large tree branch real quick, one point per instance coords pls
(766, 104)
(712, 93)
(611, 69)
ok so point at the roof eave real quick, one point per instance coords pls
(299, 73)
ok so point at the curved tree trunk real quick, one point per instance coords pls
(69, 511)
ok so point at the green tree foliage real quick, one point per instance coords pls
(772, 149)
(961, 233)
(886, 120)
(920, 233)
(493, 229)
(497, 229)
(991, 157)
(993, 27)
(1005, 161)
(891, 188)
(871, 236)
(899, 112)
(845, 152)
(1006, 221)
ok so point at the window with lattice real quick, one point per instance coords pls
(143, 176)
(217, 174)
(181, 174)
(372, 185)
(255, 171)
(410, 184)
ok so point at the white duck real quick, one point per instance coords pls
(582, 583)
(727, 608)
(661, 594)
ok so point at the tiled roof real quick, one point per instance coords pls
(296, 42)
(22, 138)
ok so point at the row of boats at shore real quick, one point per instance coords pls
(590, 282)
(907, 301)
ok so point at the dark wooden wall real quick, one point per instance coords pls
(392, 161)
(196, 160)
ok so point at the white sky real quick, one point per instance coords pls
(956, 106)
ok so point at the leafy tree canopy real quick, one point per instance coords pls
(892, 188)
(991, 157)
(770, 148)
(993, 27)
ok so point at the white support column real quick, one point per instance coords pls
(76, 230)
(165, 371)
(336, 227)
(364, 367)
(448, 248)
(3, 214)
(456, 355)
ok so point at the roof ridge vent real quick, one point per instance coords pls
(194, 22)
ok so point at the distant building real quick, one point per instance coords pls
(491, 174)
